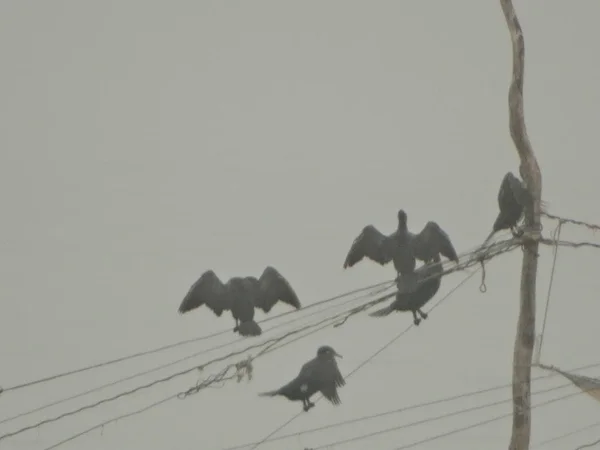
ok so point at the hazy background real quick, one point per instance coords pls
(144, 142)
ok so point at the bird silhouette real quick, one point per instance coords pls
(430, 279)
(402, 247)
(513, 198)
(320, 374)
(240, 295)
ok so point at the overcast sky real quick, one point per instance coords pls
(144, 142)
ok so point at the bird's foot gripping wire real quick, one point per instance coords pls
(307, 404)
(416, 319)
(517, 232)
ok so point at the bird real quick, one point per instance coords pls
(240, 295)
(513, 198)
(402, 247)
(414, 301)
(320, 374)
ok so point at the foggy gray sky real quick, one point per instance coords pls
(144, 142)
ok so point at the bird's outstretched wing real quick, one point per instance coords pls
(273, 287)
(431, 241)
(209, 291)
(370, 243)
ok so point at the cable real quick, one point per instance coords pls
(324, 325)
(433, 419)
(411, 407)
(173, 345)
(562, 436)
(449, 433)
(556, 238)
(491, 251)
(592, 444)
(394, 339)
(591, 226)
(204, 384)
(219, 333)
(172, 397)
(168, 378)
(177, 361)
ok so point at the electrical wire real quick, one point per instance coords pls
(448, 433)
(480, 258)
(185, 358)
(492, 251)
(204, 384)
(562, 436)
(174, 345)
(556, 238)
(325, 322)
(194, 389)
(591, 444)
(361, 365)
(412, 407)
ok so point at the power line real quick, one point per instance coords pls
(478, 256)
(196, 389)
(589, 225)
(267, 343)
(562, 436)
(556, 238)
(492, 251)
(409, 408)
(361, 365)
(432, 419)
(175, 344)
(568, 434)
(179, 360)
(205, 383)
(451, 432)
(592, 444)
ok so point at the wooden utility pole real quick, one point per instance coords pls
(530, 172)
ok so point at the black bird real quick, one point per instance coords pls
(402, 247)
(320, 374)
(240, 295)
(513, 198)
(414, 301)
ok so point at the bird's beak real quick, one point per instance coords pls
(338, 355)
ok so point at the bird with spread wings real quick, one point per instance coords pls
(240, 295)
(402, 247)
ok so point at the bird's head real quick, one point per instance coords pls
(326, 351)
(402, 217)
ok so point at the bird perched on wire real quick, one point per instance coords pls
(430, 279)
(513, 198)
(320, 374)
(402, 247)
(240, 295)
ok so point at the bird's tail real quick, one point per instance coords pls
(269, 394)
(382, 312)
(249, 328)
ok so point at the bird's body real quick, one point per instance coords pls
(402, 247)
(429, 277)
(513, 198)
(240, 295)
(320, 374)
